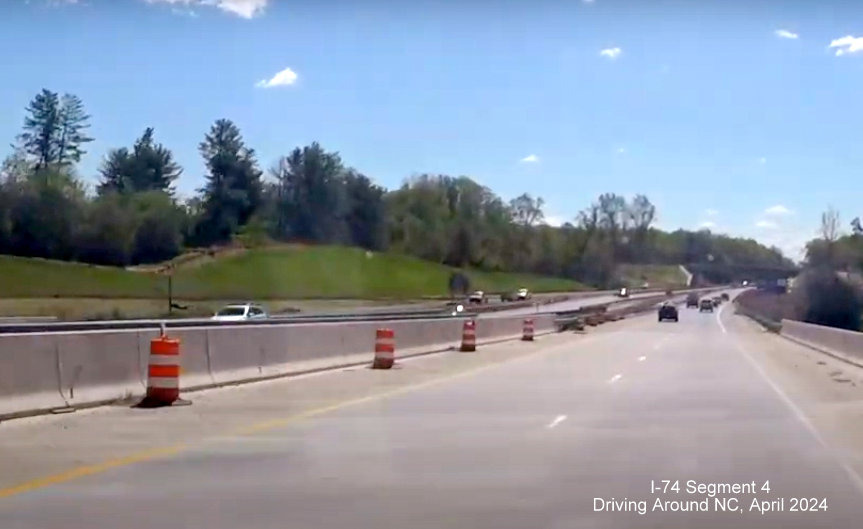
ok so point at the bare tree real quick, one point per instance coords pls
(830, 225)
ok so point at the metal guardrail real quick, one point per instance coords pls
(444, 312)
(206, 322)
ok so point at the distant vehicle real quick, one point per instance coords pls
(667, 311)
(623, 293)
(692, 300)
(523, 293)
(477, 297)
(509, 296)
(241, 312)
(717, 301)
(669, 292)
(705, 306)
(725, 296)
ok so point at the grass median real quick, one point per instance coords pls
(280, 275)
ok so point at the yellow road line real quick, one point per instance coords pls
(87, 470)
(167, 451)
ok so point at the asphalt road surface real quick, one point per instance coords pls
(568, 305)
(542, 441)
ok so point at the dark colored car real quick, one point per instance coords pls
(667, 311)
(692, 300)
(717, 301)
(725, 296)
(705, 306)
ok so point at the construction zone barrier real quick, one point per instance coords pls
(527, 330)
(385, 349)
(468, 337)
(59, 371)
(163, 373)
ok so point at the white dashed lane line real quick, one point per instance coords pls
(557, 420)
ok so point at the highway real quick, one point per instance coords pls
(514, 436)
(572, 304)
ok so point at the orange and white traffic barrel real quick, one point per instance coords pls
(468, 336)
(527, 330)
(385, 349)
(163, 372)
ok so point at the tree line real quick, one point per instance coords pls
(309, 195)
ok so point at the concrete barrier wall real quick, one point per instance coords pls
(99, 366)
(29, 375)
(847, 345)
(41, 372)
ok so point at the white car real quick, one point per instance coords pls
(523, 293)
(241, 312)
(477, 297)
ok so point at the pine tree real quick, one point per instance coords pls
(233, 189)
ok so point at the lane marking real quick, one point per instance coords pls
(557, 420)
(719, 319)
(89, 470)
(855, 478)
(173, 450)
(615, 378)
(642, 358)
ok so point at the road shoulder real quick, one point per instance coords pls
(40, 451)
(828, 391)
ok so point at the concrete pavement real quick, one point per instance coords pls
(515, 436)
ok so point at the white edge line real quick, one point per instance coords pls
(719, 319)
(852, 474)
(616, 377)
(557, 420)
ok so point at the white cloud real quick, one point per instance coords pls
(762, 160)
(286, 77)
(241, 8)
(766, 224)
(785, 34)
(530, 158)
(587, 1)
(777, 210)
(791, 240)
(621, 150)
(710, 212)
(556, 220)
(706, 225)
(611, 53)
(847, 44)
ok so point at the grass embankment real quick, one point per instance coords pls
(659, 276)
(276, 275)
(767, 308)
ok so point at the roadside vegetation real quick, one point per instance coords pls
(657, 276)
(280, 275)
(828, 291)
(418, 233)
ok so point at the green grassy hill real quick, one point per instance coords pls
(293, 272)
(660, 276)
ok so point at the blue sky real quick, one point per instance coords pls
(738, 115)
